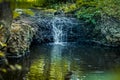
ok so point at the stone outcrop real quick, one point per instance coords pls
(107, 31)
(72, 29)
(20, 39)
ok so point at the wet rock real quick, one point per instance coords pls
(20, 39)
(3, 36)
(72, 29)
(110, 30)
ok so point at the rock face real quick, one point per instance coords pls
(110, 29)
(20, 39)
(46, 23)
(3, 36)
(106, 32)
(48, 27)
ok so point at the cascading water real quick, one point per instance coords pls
(58, 24)
(58, 29)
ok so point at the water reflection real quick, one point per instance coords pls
(67, 62)
(73, 62)
(56, 58)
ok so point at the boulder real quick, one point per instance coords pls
(20, 39)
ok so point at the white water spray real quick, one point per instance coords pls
(58, 24)
(57, 31)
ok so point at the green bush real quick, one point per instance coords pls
(90, 10)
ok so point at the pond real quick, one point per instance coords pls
(67, 61)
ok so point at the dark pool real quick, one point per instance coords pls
(67, 61)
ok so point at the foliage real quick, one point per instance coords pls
(110, 7)
(15, 14)
(15, 67)
(91, 9)
(1, 26)
(3, 44)
(29, 12)
(2, 54)
(3, 70)
(50, 10)
(88, 14)
(88, 10)
(18, 12)
(68, 7)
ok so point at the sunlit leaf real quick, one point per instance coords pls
(3, 44)
(2, 54)
(4, 70)
(29, 12)
(12, 67)
(1, 26)
(15, 14)
(19, 67)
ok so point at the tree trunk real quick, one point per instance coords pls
(5, 22)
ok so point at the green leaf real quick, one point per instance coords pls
(93, 21)
(2, 54)
(3, 44)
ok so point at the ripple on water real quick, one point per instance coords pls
(71, 62)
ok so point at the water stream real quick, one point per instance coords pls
(58, 26)
(57, 31)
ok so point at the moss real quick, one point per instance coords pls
(28, 12)
(50, 10)
(15, 14)
(69, 7)
(20, 39)
(2, 54)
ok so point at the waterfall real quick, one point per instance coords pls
(58, 24)
(57, 31)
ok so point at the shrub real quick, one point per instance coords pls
(90, 10)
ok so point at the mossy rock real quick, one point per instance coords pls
(3, 36)
(18, 12)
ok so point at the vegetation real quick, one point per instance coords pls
(87, 8)
(92, 9)
(24, 11)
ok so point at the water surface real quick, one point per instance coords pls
(68, 61)
(74, 62)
